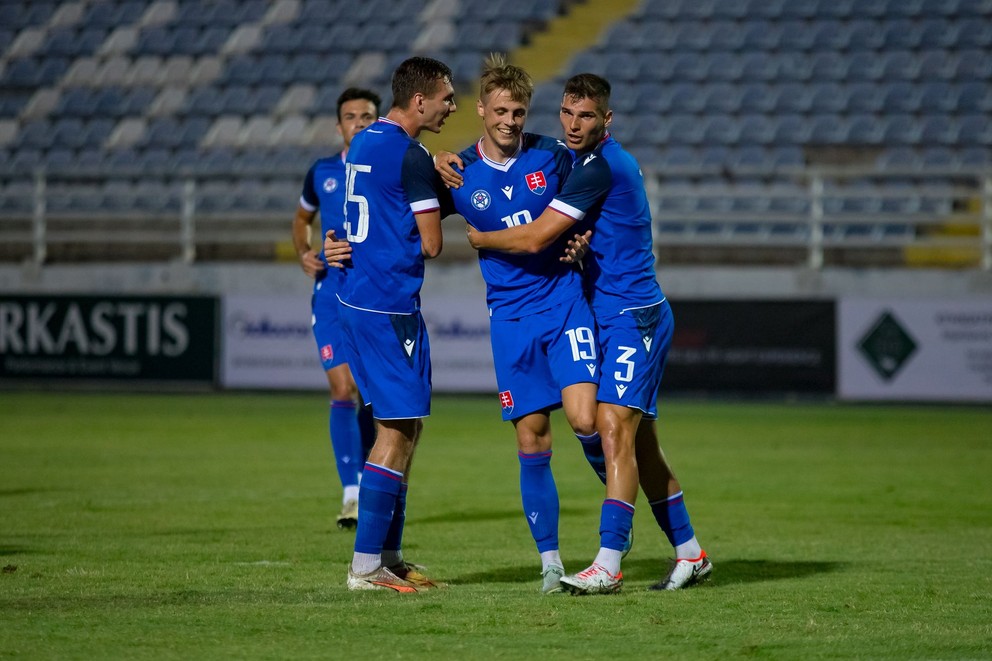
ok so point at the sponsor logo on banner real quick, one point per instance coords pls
(108, 337)
(915, 349)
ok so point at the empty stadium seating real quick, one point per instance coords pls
(719, 88)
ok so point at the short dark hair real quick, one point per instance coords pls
(353, 93)
(417, 74)
(589, 86)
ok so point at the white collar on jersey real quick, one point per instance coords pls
(496, 165)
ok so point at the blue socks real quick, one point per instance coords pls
(377, 500)
(345, 441)
(673, 518)
(616, 520)
(592, 447)
(540, 499)
(394, 536)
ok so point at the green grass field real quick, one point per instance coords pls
(201, 527)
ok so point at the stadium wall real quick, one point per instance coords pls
(855, 334)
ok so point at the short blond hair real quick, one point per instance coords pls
(498, 74)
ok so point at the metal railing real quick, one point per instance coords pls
(806, 217)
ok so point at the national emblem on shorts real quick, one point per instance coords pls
(506, 400)
(536, 182)
(481, 200)
(330, 185)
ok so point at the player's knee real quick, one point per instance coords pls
(583, 424)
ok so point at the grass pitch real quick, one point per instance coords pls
(174, 526)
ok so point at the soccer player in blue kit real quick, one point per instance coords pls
(541, 327)
(393, 223)
(634, 326)
(323, 190)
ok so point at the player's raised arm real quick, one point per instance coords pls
(448, 166)
(530, 238)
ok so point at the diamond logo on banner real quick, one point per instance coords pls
(887, 346)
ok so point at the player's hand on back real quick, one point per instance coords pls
(444, 163)
(576, 248)
(336, 251)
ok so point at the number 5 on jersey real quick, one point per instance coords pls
(358, 230)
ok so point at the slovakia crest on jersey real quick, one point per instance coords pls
(481, 200)
(330, 185)
(536, 182)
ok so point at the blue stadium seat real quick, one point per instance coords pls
(864, 129)
(829, 97)
(827, 130)
(829, 35)
(759, 35)
(900, 130)
(863, 97)
(973, 65)
(721, 98)
(841, 9)
(974, 130)
(864, 66)
(757, 97)
(975, 96)
(794, 98)
(934, 65)
(937, 130)
(939, 96)
(900, 34)
(790, 129)
(901, 97)
(974, 33)
(864, 35)
(828, 66)
(796, 35)
(720, 130)
(755, 130)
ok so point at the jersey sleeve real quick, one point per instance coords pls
(419, 180)
(308, 198)
(587, 185)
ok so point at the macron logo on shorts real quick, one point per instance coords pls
(326, 352)
(621, 389)
(506, 400)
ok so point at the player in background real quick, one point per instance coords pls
(393, 223)
(634, 325)
(541, 329)
(323, 190)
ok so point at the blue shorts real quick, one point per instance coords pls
(391, 361)
(538, 355)
(635, 344)
(326, 323)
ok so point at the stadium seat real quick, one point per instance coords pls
(901, 97)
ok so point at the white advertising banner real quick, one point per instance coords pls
(938, 350)
(267, 342)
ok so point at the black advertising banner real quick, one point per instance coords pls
(753, 347)
(154, 338)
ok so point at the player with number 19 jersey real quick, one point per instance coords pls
(541, 328)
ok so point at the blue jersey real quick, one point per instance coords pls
(390, 178)
(606, 187)
(500, 195)
(323, 190)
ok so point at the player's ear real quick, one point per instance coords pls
(608, 118)
(479, 108)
